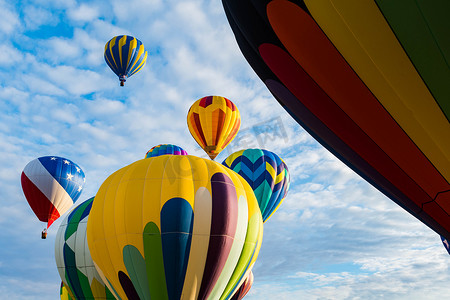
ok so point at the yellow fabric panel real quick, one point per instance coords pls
(98, 289)
(199, 242)
(133, 44)
(177, 180)
(360, 33)
(271, 170)
(122, 42)
(111, 45)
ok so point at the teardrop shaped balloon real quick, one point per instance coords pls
(213, 122)
(125, 55)
(73, 259)
(172, 226)
(266, 173)
(244, 288)
(51, 185)
(164, 149)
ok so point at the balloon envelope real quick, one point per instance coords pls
(369, 80)
(73, 259)
(164, 149)
(51, 185)
(213, 122)
(244, 288)
(174, 226)
(125, 55)
(266, 173)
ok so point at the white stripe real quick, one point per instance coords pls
(48, 185)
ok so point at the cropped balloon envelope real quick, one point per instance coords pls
(369, 80)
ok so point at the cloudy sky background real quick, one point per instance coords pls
(335, 236)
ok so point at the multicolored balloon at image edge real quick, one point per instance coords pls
(125, 55)
(187, 226)
(369, 81)
(51, 185)
(73, 259)
(165, 149)
(266, 173)
(213, 122)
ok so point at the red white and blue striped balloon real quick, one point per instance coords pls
(51, 185)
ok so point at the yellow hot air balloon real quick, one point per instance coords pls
(174, 227)
(213, 122)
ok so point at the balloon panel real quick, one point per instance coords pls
(266, 173)
(175, 225)
(351, 74)
(51, 185)
(75, 265)
(213, 122)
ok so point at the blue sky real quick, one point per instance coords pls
(335, 236)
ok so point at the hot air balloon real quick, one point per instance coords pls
(64, 293)
(367, 79)
(266, 173)
(446, 244)
(213, 122)
(174, 227)
(51, 185)
(244, 288)
(125, 55)
(74, 262)
(164, 149)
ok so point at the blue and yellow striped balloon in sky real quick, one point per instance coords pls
(125, 55)
(266, 173)
(175, 227)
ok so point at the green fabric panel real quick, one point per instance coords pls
(75, 219)
(135, 264)
(108, 293)
(154, 262)
(113, 290)
(423, 29)
(85, 286)
(253, 156)
(263, 193)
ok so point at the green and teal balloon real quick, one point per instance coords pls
(266, 173)
(75, 265)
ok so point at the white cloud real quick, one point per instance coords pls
(9, 19)
(10, 55)
(83, 13)
(35, 16)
